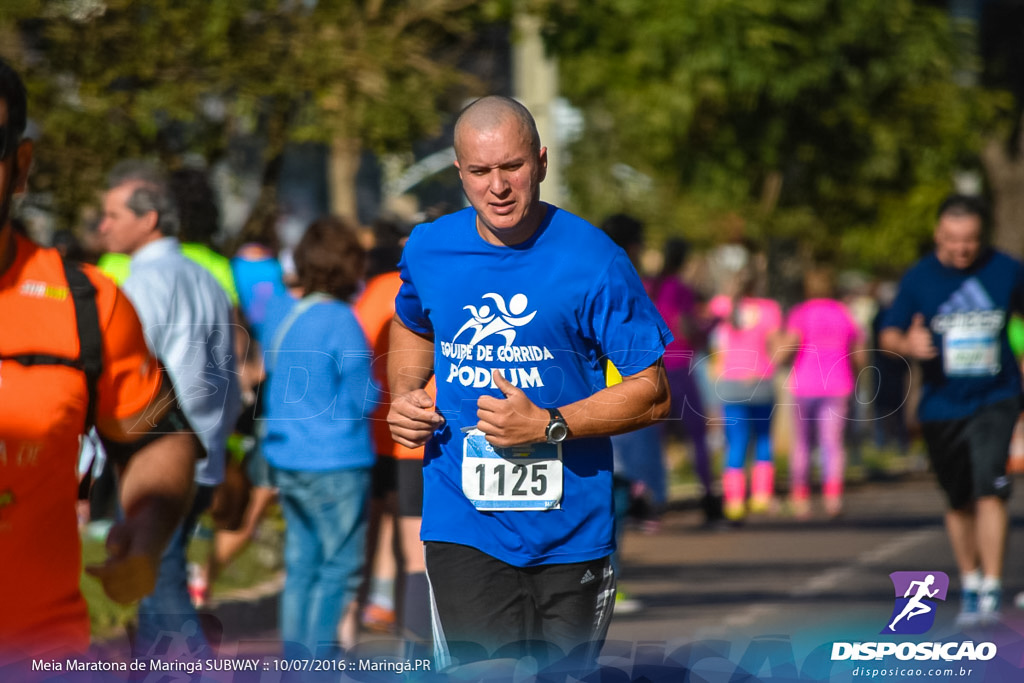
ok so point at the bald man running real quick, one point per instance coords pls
(517, 508)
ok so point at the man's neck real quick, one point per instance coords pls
(950, 263)
(521, 233)
(153, 237)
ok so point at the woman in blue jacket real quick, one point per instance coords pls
(316, 436)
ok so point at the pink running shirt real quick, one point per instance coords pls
(743, 353)
(828, 333)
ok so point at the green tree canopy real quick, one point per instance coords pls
(834, 124)
(110, 79)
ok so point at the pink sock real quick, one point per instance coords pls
(762, 481)
(734, 485)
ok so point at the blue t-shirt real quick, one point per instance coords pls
(547, 314)
(967, 311)
(318, 395)
(257, 280)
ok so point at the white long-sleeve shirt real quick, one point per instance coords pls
(186, 317)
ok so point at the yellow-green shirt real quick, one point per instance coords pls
(118, 266)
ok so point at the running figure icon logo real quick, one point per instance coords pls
(916, 593)
(484, 322)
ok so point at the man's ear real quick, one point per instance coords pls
(543, 161)
(152, 218)
(23, 157)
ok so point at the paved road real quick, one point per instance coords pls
(803, 585)
(789, 588)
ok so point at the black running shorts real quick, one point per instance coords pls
(484, 608)
(410, 487)
(384, 479)
(969, 455)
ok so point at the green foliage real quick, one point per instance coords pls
(822, 120)
(167, 78)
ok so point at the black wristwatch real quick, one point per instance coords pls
(557, 429)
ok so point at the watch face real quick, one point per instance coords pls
(557, 431)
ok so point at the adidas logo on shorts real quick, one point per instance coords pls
(587, 578)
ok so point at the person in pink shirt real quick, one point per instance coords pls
(826, 341)
(746, 337)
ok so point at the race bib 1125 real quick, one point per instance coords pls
(521, 478)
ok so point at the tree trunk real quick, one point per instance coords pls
(344, 164)
(1005, 170)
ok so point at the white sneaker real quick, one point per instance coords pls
(969, 609)
(989, 602)
(198, 588)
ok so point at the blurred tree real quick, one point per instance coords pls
(354, 74)
(110, 80)
(1000, 48)
(117, 78)
(830, 124)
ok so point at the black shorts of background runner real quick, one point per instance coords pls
(410, 487)
(384, 478)
(487, 609)
(969, 455)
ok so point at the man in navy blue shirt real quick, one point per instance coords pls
(951, 314)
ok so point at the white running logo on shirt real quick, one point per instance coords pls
(519, 364)
(485, 323)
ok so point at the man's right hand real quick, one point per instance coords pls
(918, 340)
(412, 418)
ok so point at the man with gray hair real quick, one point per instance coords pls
(186, 317)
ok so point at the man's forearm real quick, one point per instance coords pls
(636, 402)
(410, 359)
(156, 486)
